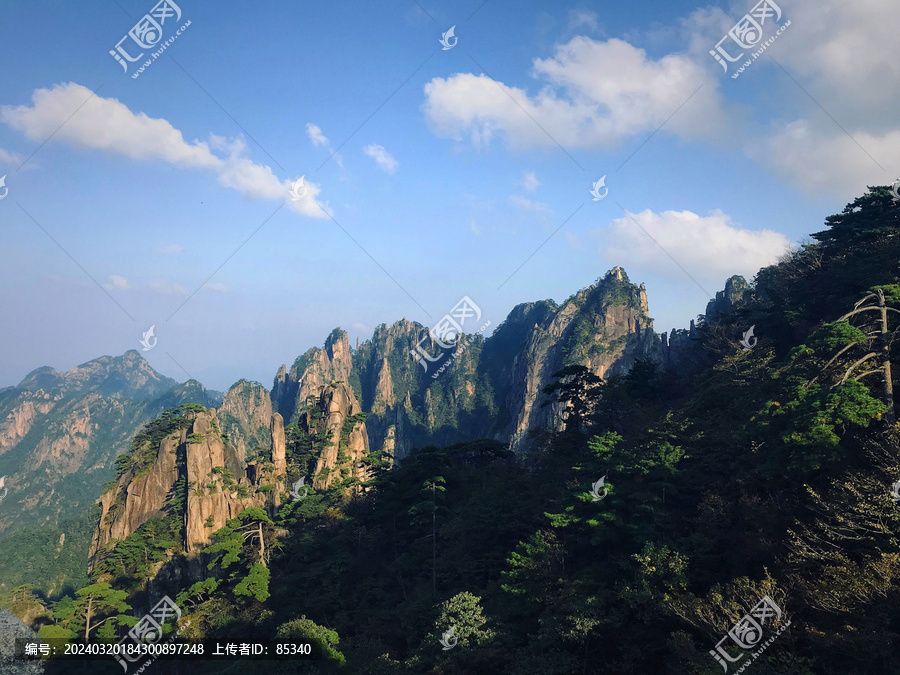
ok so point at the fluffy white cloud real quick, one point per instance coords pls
(836, 51)
(530, 182)
(529, 205)
(597, 93)
(823, 162)
(382, 157)
(216, 286)
(106, 124)
(706, 246)
(117, 283)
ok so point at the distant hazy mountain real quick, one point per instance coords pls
(60, 434)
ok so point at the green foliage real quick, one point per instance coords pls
(50, 557)
(305, 630)
(93, 606)
(464, 614)
(242, 542)
(198, 592)
(255, 584)
(575, 388)
(132, 560)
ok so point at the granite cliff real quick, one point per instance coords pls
(490, 388)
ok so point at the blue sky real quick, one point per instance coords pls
(453, 167)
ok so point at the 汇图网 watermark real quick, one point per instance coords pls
(447, 333)
(148, 629)
(147, 34)
(748, 632)
(747, 34)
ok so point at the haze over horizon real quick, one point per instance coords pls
(432, 173)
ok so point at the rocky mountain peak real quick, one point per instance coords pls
(192, 473)
(735, 294)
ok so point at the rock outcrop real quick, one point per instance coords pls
(489, 388)
(10, 630)
(197, 466)
(245, 418)
(736, 294)
(338, 421)
(310, 372)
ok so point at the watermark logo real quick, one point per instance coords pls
(595, 190)
(146, 338)
(3, 185)
(895, 491)
(148, 629)
(747, 33)
(3, 487)
(748, 632)
(298, 189)
(447, 333)
(449, 639)
(596, 487)
(895, 190)
(295, 490)
(147, 34)
(749, 341)
(446, 37)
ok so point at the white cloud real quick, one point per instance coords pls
(835, 51)
(167, 287)
(382, 157)
(106, 124)
(315, 134)
(597, 93)
(216, 286)
(319, 139)
(116, 283)
(10, 158)
(825, 163)
(706, 246)
(530, 182)
(473, 226)
(529, 205)
(168, 249)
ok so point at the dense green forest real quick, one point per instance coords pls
(766, 473)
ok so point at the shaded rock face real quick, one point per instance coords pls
(215, 476)
(245, 417)
(216, 486)
(134, 501)
(735, 294)
(604, 328)
(349, 440)
(11, 629)
(493, 388)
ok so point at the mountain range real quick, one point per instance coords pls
(60, 433)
